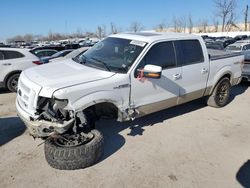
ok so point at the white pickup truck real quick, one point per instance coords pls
(124, 76)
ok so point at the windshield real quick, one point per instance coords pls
(112, 54)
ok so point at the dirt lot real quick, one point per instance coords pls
(187, 146)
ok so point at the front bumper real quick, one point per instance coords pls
(42, 128)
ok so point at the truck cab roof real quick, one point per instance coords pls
(150, 37)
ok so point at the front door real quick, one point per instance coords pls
(150, 95)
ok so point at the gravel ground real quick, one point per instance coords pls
(191, 145)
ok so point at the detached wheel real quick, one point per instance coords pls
(12, 82)
(221, 94)
(70, 152)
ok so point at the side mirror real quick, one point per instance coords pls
(150, 71)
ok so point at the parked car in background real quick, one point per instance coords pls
(12, 62)
(72, 46)
(56, 55)
(45, 53)
(242, 46)
(240, 37)
(215, 45)
(71, 55)
(58, 48)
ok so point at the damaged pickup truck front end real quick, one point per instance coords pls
(52, 116)
(48, 110)
(42, 116)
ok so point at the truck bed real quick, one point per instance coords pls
(221, 54)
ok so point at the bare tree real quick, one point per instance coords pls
(216, 25)
(28, 38)
(246, 18)
(101, 31)
(136, 27)
(225, 9)
(179, 24)
(113, 28)
(204, 25)
(161, 26)
(183, 23)
(79, 32)
(190, 23)
(231, 23)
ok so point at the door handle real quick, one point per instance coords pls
(6, 64)
(204, 71)
(177, 76)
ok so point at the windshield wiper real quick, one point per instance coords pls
(103, 63)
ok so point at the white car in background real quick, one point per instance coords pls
(242, 46)
(12, 62)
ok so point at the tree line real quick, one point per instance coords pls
(224, 20)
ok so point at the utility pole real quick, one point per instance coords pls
(246, 18)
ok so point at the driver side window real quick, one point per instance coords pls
(161, 54)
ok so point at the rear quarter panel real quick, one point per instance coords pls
(221, 67)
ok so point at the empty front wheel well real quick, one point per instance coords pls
(103, 110)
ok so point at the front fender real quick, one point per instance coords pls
(98, 97)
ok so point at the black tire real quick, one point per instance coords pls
(221, 94)
(12, 82)
(76, 157)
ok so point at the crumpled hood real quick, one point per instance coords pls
(54, 76)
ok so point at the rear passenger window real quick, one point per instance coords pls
(161, 54)
(189, 52)
(12, 54)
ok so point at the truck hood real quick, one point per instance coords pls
(54, 76)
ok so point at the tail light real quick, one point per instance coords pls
(37, 62)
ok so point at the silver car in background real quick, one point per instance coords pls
(71, 55)
(243, 47)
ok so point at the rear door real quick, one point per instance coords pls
(9, 60)
(195, 69)
(150, 95)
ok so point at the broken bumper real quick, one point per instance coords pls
(42, 128)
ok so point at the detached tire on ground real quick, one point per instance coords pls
(75, 157)
(221, 94)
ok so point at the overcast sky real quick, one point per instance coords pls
(67, 16)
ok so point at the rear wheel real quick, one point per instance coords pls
(221, 94)
(74, 151)
(12, 82)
